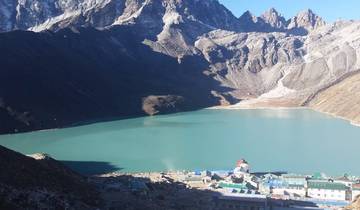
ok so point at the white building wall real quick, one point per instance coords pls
(347, 183)
(285, 191)
(299, 192)
(327, 194)
(278, 191)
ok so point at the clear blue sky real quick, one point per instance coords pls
(330, 10)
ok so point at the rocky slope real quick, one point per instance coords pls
(342, 99)
(328, 56)
(59, 79)
(39, 182)
(109, 59)
(354, 206)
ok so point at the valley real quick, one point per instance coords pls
(130, 58)
(138, 100)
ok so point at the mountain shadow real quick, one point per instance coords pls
(57, 79)
(40, 182)
(90, 168)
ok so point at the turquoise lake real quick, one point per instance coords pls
(299, 141)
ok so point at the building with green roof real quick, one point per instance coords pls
(328, 190)
(241, 186)
(327, 185)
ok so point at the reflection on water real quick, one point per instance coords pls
(293, 140)
(91, 168)
(278, 113)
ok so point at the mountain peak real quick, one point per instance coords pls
(274, 19)
(38, 15)
(271, 12)
(152, 17)
(249, 22)
(307, 14)
(247, 13)
(306, 20)
(248, 16)
(307, 11)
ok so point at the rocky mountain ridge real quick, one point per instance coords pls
(55, 14)
(143, 56)
(38, 15)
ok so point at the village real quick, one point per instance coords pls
(318, 189)
(238, 189)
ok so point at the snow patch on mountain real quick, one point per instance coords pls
(131, 12)
(53, 21)
(171, 18)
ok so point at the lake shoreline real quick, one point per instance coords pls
(173, 142)
(255, 107)
(238, 106)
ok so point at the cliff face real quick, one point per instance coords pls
(40, 182)
(109, 59)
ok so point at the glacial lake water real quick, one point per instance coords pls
(300, 141)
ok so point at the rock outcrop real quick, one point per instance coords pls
(165, 104)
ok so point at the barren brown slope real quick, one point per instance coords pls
(342, 99)
(355, 205)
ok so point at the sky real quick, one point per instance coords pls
(330, 10)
